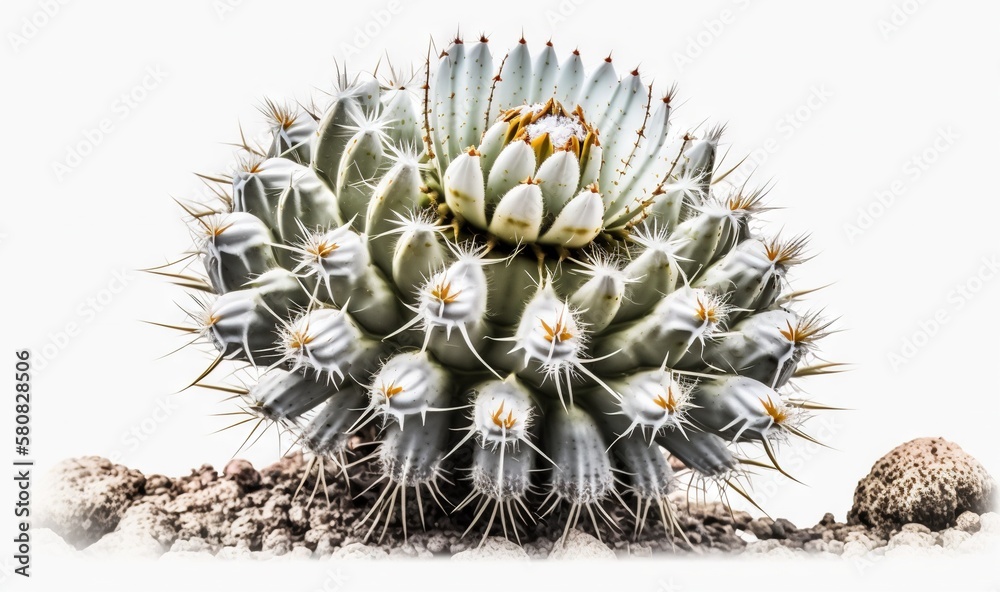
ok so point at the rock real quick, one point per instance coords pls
(152, 520)
(83, 499)
(911, 539)
(195, 545)
(748, 537)
(580, 545)
(742, 519)
(639, 551)
(409, 550)
(952, 538)
(968, 522)
(437, 543)
(127, 544)
(298, 517)
(929, 481)
(782, 528)
(493, 548)
(158, 485)
(862, 539)
(359, 551)
(855, 549)
(277, 542)
(761, 528)
(243, 473)
(914, 527)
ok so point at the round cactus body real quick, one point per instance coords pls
(515, 273)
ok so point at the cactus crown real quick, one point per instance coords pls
(522, 274)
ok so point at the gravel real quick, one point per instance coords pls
(110, 510)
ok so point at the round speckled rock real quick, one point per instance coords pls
(928, 481)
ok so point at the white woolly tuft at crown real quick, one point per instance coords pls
(510, 275)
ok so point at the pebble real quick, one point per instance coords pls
(968, 522)
(952, 538)
(580, 545)
(493, 548)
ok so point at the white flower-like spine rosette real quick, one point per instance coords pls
(231, 319)
(409, 384)
(554, 341)
(654, 400)
(324, 340)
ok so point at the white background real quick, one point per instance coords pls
(837, 102)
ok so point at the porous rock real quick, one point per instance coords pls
(83, 499)
(928, 481)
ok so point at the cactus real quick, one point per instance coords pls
(510, 272)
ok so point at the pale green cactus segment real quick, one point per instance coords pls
(374, 304)
(649, 164)
(517, 272)
(575, 445)
(401, 115)
(236, 249)
(332, 137)
(766, 346)
(704, 452)
(515, 163)
(329, 430)
(661, 339)
(329, 342)
(305, 206)
(493, 143)
(281, 293)
(701, 239)
(411, 455)
(514, 85)
(545, 73)
(257, 188)
(571, 76)
(501, 474)
(698, 160)
(595, 96)
(465, 192)
(395, 197)
(559, 177)
(283, 395)
(417, 254)
(292, 131)
(239, 325)
(739, 408)
(360, 166)
(601, 297)
(518, 216)
(410, 385)
(742, 274)
(472, 90)
(651, 275)
(625, 116)
(651, 478)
